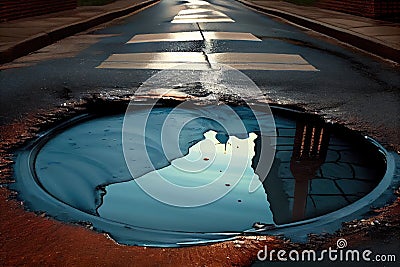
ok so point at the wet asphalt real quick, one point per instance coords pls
(350, 86)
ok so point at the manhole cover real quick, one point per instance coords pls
(192, 180)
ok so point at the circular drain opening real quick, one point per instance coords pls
(78, 172)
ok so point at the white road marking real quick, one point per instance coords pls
(192, 36)
(154, 65)
(161, 60)
(166, 37)
(194, 14)
(177, 57)
(196, 11)
(197, 3)
(199, 11)
(271, 66)
(238, 36)
(256, 58)
(204, 20)
(197, 61)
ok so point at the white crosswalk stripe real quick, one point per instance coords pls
(166, 37)
(196, 3)
(215, 16)
(192, 36)
(237, 36)
(198, 61)
(200, 11)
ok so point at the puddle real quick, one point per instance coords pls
(126, 202)
(87, 170)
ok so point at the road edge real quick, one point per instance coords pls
(370, 45)
(41, 40)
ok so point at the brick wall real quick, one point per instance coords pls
(388, 8)
(15, 9)
(367, 8)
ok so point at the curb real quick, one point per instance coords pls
(41, 40)
(367, 44)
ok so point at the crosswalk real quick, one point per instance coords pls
(198, 61)
(192, 36)
(197, 15)
(199, 11)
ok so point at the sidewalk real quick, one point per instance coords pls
(375, 36)
(22, 36)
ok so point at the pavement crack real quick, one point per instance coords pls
(203, 50)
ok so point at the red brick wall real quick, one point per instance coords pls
(367, 8)
(15, 9)
(388, 8)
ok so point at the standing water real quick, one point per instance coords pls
(87, 170)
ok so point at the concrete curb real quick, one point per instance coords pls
(41, 40)
(363, 42)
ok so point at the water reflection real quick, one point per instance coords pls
(219, 168)
(309, 153)
(317, 169)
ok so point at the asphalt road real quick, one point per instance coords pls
(292, 66)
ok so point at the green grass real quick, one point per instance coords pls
(302, 2)
(94, 2)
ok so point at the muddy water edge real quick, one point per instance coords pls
(34, 238)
